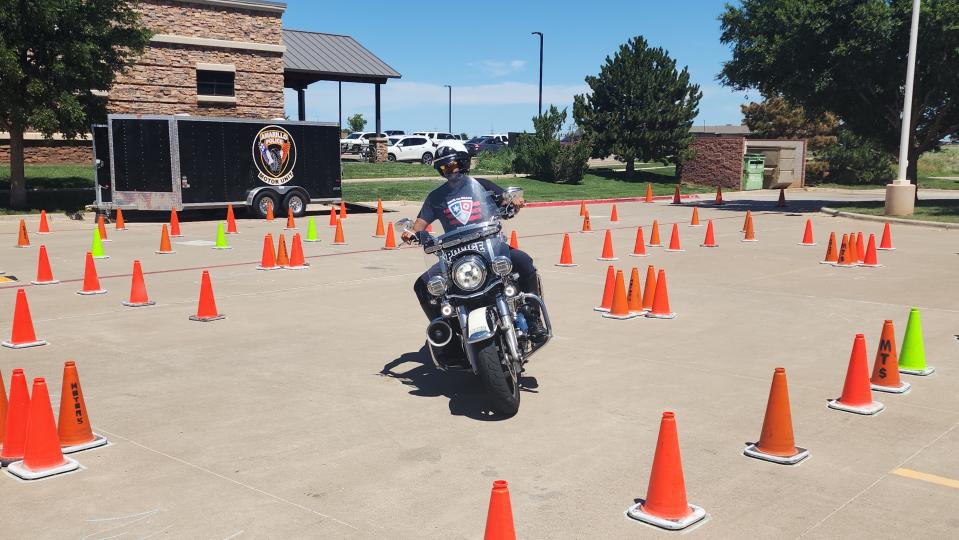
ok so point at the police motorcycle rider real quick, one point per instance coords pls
(452, 161)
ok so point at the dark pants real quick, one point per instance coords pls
(522, 265)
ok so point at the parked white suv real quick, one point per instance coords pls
(436, 137)
(356, 141)
(410, 148)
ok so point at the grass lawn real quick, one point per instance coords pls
(932, 210)
(51, 176)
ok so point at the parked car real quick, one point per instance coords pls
(436, 137)
(356, 141)
(410, 148)
(484, 144)
(501, 137)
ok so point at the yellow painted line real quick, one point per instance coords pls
(931, 478)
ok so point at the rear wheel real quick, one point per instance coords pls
(501, 384)
(295, 202)
(390, 157)
(263, 201)
(427, 159)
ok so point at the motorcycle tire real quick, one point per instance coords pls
(502, 389)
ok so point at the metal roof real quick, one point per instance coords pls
(315, 56)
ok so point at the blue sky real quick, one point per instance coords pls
(485, 51)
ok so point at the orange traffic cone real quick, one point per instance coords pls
(297, 260)
(582, 209)
(268, 260)
(174, 224)
(749, 217)
(776, 441)
(15, 419)
(634, 294)
(206, 309)
(138, 289)
(41, 452)
(587, 228)
(230, 220)
(44, 226)
(639, 248)
(290, 224)
(852, 249)
(103, 229)
(719, 195)
(379, 233)
(844, 259)
(91, 282)
(282, 259)
(391, 239)
(120, 225)
(608, 249)
(654, 240)
(566, 256)
(338, 239)
(649, 193)
(710, 240)
(429, 228)
(886, 242)
(333, 219)
(614, 215)
(856, 395)
(379, 207)
(499, 516)
(665, 505)
(342, 210)
(661, 299)
(649, 288)
(831, 255)
(608, 289)
(3, 409)
(750, 235)
(513, 240)
(676, 197)
(22, 334)
(73, 426)
(269, 211)
(782, 199)
(674, 240)
(619, 308)
(44, 272)
(23, 240)
(165, 248)
(885, 372)
(860, 250)
(694, 222)
(870, 260)
(807, 235)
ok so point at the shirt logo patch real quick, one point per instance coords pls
(461, 208)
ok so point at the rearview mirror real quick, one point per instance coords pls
(512, 193)
(403, 225)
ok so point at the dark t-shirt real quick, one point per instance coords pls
(459, 202)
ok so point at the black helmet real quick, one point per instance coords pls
(451, 157)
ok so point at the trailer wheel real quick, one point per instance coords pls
(296, 203)
(262, 202)
(427, 159)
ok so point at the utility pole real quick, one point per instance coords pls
(540, 34)
(901, 194)
(449, 118)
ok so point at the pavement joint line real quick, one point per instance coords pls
(884, 475)
(228, 479)
(926, 477)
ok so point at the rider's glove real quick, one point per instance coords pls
(424, 238)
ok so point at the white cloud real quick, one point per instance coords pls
(500, 68)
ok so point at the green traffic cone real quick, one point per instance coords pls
(912, 359)
(97, 248)
(311, 231)
(220, 238)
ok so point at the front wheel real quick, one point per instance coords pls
(501, 384)
(427, 159)
(390, 157)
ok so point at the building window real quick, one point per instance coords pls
(215, 83)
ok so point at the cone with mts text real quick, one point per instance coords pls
(856, 392)
(619, 308)
(853, 250)
(649, 288)
(665, 504)
(73, 424)
(860, 250)
(749, 217)
(885, 370)
(120, 225)
(710, 240)
(660, 308)
(844, 259)
(566, 256)
(282, 258)
(634, 294)
(912, 357)
(674, 240)
(102, 228)
(332, 216)
(3, 409)
(719, 196)
(44, 272)
(42, 456)
(782, 199)
(206, 309)
(15, 427)
(870, 259)
(587, 228)
(614, 215)
(44, 226)
(138, 289)
(338, 239)
(886, 243)
(96, 247)
(499, 516)
(513, 240)
(379, 233)
(342, 210)
(174, 224)
(608, 288)
(230, 220)
(391, 239)
(676, 196)
(22, 334)
(23, 240)
(311, 231)
(297, 260)
(268, 260)
(654, 240)
(807, 239)
(649, 193)
(776, 441)
(220, 238)
(639, 247)
(269, 211)
(694, 222)
(91, 282)
(831, 255)
(607, 254)
(165, 248)
(750, 235)
(290, 223)
(582, 208)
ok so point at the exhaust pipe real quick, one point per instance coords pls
(439, 333)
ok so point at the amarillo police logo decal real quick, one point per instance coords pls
(274, 153)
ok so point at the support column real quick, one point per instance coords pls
(301, 103)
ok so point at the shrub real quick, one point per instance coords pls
(856, 160)
(541, 155)
(571, 162)
(495, 162)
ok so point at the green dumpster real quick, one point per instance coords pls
(753, 171)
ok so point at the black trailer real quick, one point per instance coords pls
(147, 162)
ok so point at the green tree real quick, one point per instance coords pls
(641, 107)
(356, 122)
(849, 57)
(53, 55)
(778, 118)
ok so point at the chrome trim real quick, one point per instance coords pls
(475, 260)
(506, 319)
(470, 355)
(492, 284)
(439, 320)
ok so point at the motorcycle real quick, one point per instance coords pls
(483, 326)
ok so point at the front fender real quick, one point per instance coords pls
(478, 327)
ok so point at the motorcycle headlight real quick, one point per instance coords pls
(436, 285)
(502, 265)
(469, 273)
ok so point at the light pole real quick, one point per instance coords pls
(540, 34)
(900, 194)
(449, 117)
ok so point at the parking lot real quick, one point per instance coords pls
(312, 409)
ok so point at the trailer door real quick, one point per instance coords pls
(143, 167)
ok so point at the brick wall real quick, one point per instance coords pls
(51, 152)
(718, 162)
(212, 22)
